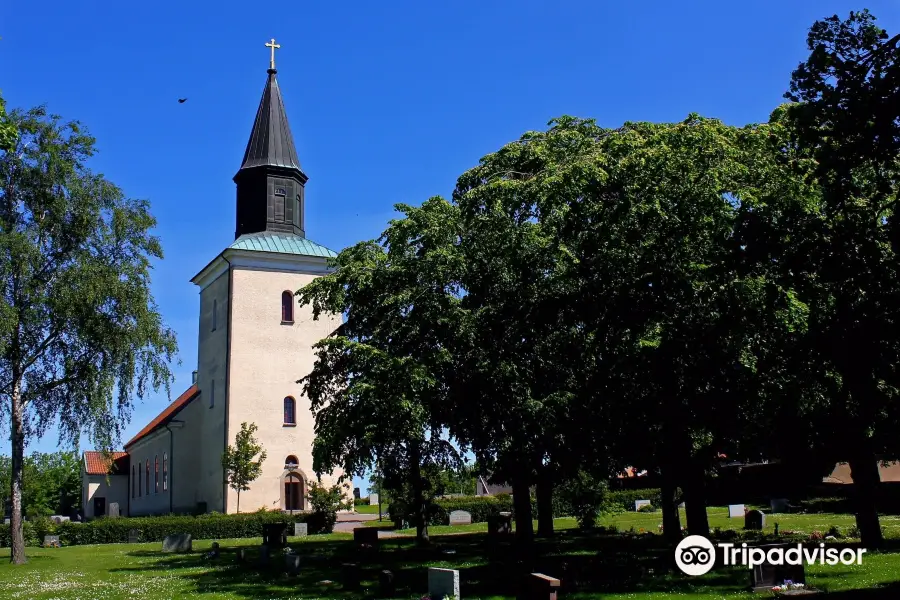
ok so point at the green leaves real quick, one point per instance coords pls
(238, 460)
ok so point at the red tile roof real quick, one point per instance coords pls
(166, 415)
(95, 463)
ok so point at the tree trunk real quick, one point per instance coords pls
(695, 499)
(544, 494)
(864, 470)
(671, 518)
(522, 508)
(239, 500)
(419, 509)
(17, 556)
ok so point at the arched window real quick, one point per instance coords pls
(287, 307)
(139, 479)
(290, 411)
(132, 481)
(147, 482)
(156, 474)
(215, 313)
(165, 472)
(291, 462)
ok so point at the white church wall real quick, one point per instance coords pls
(112, 489)
(267, 359)
(155, 499)
(209, 423)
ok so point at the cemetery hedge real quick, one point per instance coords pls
(482, 507)
(155, 529)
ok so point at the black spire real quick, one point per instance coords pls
(270, 183)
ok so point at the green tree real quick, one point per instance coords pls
(845, 116)
(378, 386)
(80, 335)
(238, 461)
(7, 128)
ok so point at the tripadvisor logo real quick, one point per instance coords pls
(696, 555)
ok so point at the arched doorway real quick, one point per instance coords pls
(293, 492)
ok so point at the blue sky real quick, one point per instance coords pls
(388, 102)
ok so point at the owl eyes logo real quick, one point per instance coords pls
(695, 555)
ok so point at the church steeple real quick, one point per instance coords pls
(270, 182)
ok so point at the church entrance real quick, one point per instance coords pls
(293, 492)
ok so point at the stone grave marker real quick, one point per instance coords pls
(386, 585)
(499, 525)
(292, 563)
(6, 521)
(301, 529)
(540, 587)
(460, 517)
(51, 541)
(275, 535)
(113, 510)
(443, 582)
(755, 520)
(214, 550)
(766, 576)
(373, 499)
(241, 555)
(264, 555)
(351, 576)
(134, 536)
(735, 511)
(365, 536)
(178, 543)
(779, 505)
(639, 503)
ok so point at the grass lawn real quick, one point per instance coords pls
(590, 565)
(369, 509)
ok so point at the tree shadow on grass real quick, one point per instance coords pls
(585, 563)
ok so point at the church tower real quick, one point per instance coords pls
(255, 342)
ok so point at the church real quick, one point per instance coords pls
(255, 342)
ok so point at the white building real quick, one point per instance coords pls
(255, 342)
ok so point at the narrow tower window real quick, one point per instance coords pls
(215, 312)
(156, 474)
(287, 307)
(290, 411)
(165, 472)
(132, 481)
(212, 393)
(147, 478)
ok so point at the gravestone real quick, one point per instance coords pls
(681, 505)
(134, 536)
(735, 511)
(113, 509)
(779, 505)
(6, 521)
(178, 543)
(301, 529)
(755, 520)
(499, 525)
(766, 575)
(365, 536)
(373, 499)
(386, 586)
(214, 550)
(639, 503)
(51, 541)
(350, 576)
(292, 563)
(540, 587)
(460, 517)
(443, 582)
(265, 554)
(241, 555)
(275, 535)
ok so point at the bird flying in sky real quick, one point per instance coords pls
(182, 100)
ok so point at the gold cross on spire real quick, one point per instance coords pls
(273, 46)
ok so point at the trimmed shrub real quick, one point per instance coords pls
(623, 500)
(155, 529)
(480, 507)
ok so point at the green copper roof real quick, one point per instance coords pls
(282, 243)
